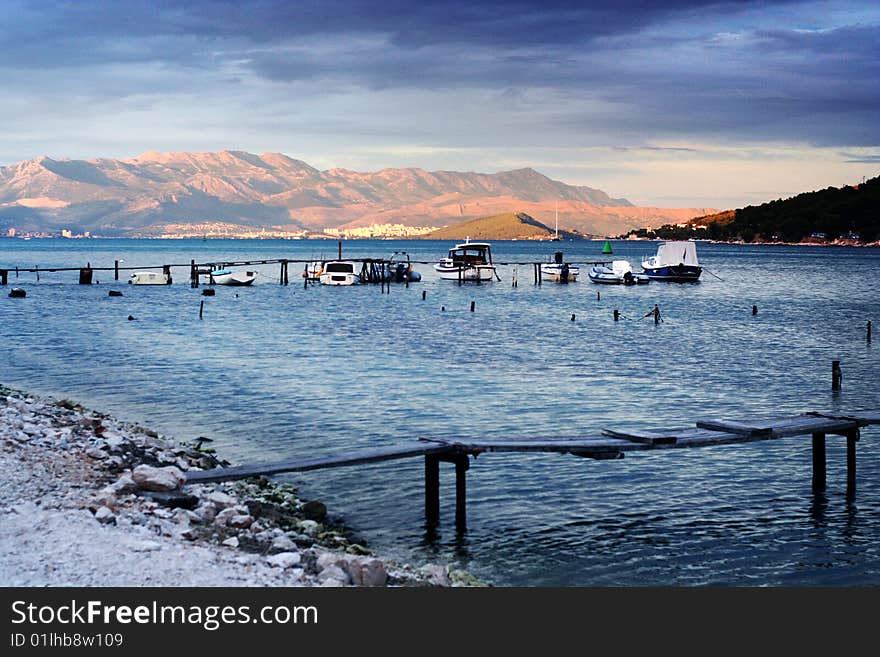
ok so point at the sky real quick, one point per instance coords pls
(666, 103)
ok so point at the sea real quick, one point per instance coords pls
(273, 372)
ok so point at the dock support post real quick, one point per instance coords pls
(339, 244)
(85, 275)
(115, 270)
(193, 276)
(852, 438)
(432, 490)
(867, 328)
(424, 294)
(836, 375)
(818, 462)
(461, 468)
(4, 274)
(166, 269)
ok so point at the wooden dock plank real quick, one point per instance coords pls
(862, 417)
(641, 436)
(735, 427)
(317, 462)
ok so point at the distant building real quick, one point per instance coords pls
(66, 233)
(819, 236)
(10, 232)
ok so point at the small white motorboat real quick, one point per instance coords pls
(559, 271)
(675, 261)
(149, 278)
(229, 277)
(470, 261)
(339, 272)
(619, 273)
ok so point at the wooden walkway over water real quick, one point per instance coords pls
(609, 445)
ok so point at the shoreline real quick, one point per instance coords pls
(89, 500)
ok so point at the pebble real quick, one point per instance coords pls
(284, 559)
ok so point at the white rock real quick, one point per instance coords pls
(284, 559)
(436, 574)
(221, 500)
(125, 484)
(366, 571)
(231, 542)
(96, 453)
(206, 512)
(327, 559)
(283, 543)
(158, 479)
(309, 527)
(334, 573)
(330, 582)
(105, 515)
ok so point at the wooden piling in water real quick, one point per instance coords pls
(201, 308)
(836, 375)
(166, 269)
(115, 270)
(598, 295)
(4, 276)
(852, 437)
(818, 462)
(193, 274)
(424, 294)
(572, 317)
(461, 468)
(616, 315)
(473, 305)
(867, 328)
(85, 276)
(432, 490)
(754, 310)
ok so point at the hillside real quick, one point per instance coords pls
(231, 192)
(144, 195)
(848, 214)
(506, 226)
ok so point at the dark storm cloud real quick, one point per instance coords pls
(648, 69)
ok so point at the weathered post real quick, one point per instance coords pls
(340, 250)
(461, 468)
(616, 315)
(867, 328)
(85, 275)
(754, 310)
(305, 276)
(4, 274)
(166, 269)
(193, 275)
(836, 375)
(115, 270)
(572, 317)
(432, 490)
(424, 294)
(818, 462)
(473, 305)
(201, 308)
(852, 437)
(598, 295)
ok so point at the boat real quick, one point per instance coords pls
(400, 269)
(469, 261)
(339, 272)
(675, 261)
(149, 278)
(559, 271)
(314, 270)
(229, 277)
(619, 273)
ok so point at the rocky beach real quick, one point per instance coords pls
(89, 500)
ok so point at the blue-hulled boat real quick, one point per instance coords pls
(675, 261)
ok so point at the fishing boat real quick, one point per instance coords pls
(619, 273)
(313, 270)
(559, 271)
(229, 277)
(675, 261)
(149, 278)
(339, 272)
(469, 261)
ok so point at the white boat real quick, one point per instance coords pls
(619, 273)
(675, 261)
(149, 278)
(470, 261)
(559, 271)
(314, 270)
(229, 277)
(339, 272)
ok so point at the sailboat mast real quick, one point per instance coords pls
(557, 219)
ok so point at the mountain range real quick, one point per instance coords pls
(156, 193)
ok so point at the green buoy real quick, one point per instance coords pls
(607, 247)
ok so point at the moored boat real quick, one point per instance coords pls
(619, 273)
(339, 272)
(149, 278)
(469, 261)
(675, 261)
(559, 271)
(229, 277)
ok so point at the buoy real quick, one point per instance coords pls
(130, 318)
(17, 293)
(607, 247)
(114, 293)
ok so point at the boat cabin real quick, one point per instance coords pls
(470, 254)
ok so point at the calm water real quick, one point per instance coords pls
(274, 372)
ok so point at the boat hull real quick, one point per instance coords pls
(556, 273)
(339, 279)
(238, 279)
(476, 273)
(674, 273)
(149, 278)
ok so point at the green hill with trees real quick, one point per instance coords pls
(850, 213)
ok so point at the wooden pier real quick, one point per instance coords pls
(611, 444)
